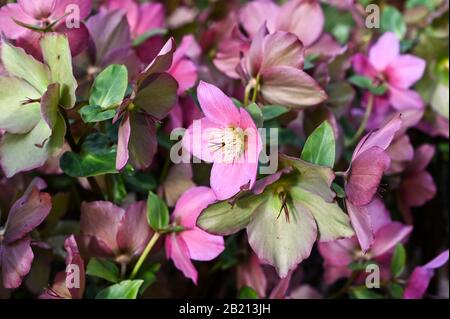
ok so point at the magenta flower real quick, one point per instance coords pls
(369, 162)
(192, 243)
(339, 254)
(113, 232)
(385, 65)
(16, 256)
(227, 137)
(27, 20)
(59, 290)
(420, 279)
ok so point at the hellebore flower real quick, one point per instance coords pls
(30, 96)
(420, 279)
(16, 256)
(385, 65)
(417, 186)
(284, 214)
(77, 276)
(113, 232)
(154, 94)
(192, 242)
(227, 137)
(339, 254)
(146, 23)
(369, 162)
(28, 20)
(273, 67)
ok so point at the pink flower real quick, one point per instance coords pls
(420, 279)
(26, 21)
(27, 213)
(113, 232)
(227, 137)
(385, 65)
(59, 290)
(192, 243)
(339, 254)
(369, 162)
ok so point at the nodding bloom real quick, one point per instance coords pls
(75, 275)
(112, 232)
(369, 162)
(27, 20)
(226, 137)
(192, 243)
(385, 65)
(420, 279)
(16, 255)
(339, 254)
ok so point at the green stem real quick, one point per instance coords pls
(255, 89)
(248, 89)
(144, 254)
(363, 125)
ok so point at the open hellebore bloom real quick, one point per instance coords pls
(341, 253)
(420, 279)
(154, 94)
(16, 256)
(369, 162)
(273, 67)
(75, 274)
(284, 214)
(192, 242)
(146, 23)
(30, 96)
(28, 20)
(227, 137)
(385, 65)
(113, 232)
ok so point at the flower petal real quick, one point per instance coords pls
(387, 237)
(402, 99)
(201, 245)
(122, 144)
(16, 260)
(191, 204)
(384, 51)
(405, 70)
(177, 250)
(361, 222)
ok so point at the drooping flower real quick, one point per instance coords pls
(420, 279)
(284, 214)
(339, 254)
(227, 137)
(110, 231)
(154, 94)
(386, 66)
(59, 289)
(369, 162)
(27, 21)
(16, 255)
(274, 66)
(192, 243)
(30, 96)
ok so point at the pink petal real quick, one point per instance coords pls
(16, 260)
(254, 60)
(254, 14)
(123, 140)
(78, 37)
(7, 25)
(253, 142)
(361, 222)
(201, 245)
(326, 46)
(161, 63)
(37, 8)
(252, 275)
(438, 261)
(422, 157)
(190, 205)
(402, 99)
(387, 237)
(151, 16)
(365, 176)
(405, 70)
(143, 144)
(417, 189)
(177, 250)
(384, 51)
(379, 215)
(241, 174)
(282, 49)
(216, 106)
(130, 7)
(185, 72)
(401, 149)
(280, 290)
(229, 56)
(62, 7)
(337, 252)
(196, 139)
(362, 66)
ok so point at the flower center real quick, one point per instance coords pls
(227, 144)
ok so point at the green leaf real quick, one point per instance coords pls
(340, 192)
(104, 269)
(157, 212)
(96, 158)
(256, 114)
(360, 81)
(127, 289)
(148, 275)
(395, 290)
(271, 112)
(320, 147)
(378, 90)
(248, 293)
(364, 293)
(109, 87)
(95, 113)
(360, 266)
(398, 261)
(392, 20)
